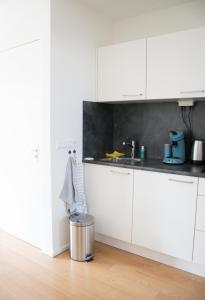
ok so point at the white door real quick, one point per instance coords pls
(21, 139)
(109, 196)
(164, 209)
(176, 65)
(122, 71)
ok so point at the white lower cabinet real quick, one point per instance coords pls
(199, 241)
(201, 190)
(199, 248)
(164, 209)
(109, 192)
(200, 216)
(160, 215)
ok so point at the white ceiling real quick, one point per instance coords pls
(120, 9)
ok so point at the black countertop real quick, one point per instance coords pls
(155, 165)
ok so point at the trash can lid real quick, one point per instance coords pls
(78, 219)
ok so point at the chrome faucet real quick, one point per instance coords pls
(132, 145)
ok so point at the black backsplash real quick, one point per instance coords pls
(97, 129)
(106, 126)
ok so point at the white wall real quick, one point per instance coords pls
(76, 32)
(21, 22)
(181, 17)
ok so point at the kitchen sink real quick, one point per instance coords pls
(122, 160)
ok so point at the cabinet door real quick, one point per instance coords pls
(164, 213)
(122, 71)
(201, 190)
(109, 196)
(200, 216)
(199, 248)
(176, 65)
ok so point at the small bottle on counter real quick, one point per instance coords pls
(142, 152)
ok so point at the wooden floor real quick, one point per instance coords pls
(27, 273)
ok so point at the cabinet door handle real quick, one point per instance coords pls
(180, 181)
(132, 95)
(118, 172)
(192, 92)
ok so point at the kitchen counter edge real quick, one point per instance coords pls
(155, 165)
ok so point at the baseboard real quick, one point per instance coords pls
(55, 252)
(162, 258)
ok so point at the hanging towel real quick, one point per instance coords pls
(73, 188)
(78, 183)
(67, 194)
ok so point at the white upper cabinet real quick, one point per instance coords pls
(164, 210)
(122, 72)
(109, 192)
(171, 66)
(176, 65)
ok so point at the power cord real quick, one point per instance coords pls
(187, 119)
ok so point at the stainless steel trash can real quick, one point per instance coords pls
(81, 237)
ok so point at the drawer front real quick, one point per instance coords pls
(200, 216)
(201, 190)
(199, 248)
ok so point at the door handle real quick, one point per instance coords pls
(132, 95)
(192, 92)
(180, 181)
(119, 172)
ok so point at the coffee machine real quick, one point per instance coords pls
(177, 148)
